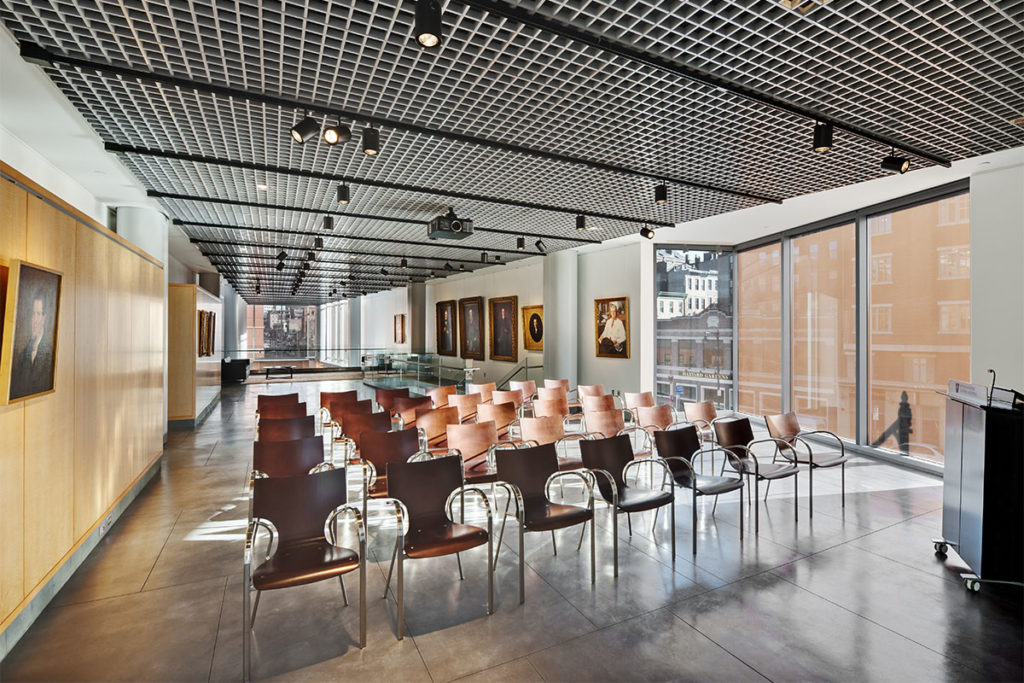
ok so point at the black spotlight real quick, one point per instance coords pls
(328, 222)
(483, 257)
(433, 273)
(310, 256)
(497, 258)
(339, 132)
(371, 141)
(383, 271)
(343, 194)
(822, 137)
(462, 267)
(895, 164)
(581, 222)
(428, 23)
(305, 266)
(405, 263)
(541, 247)
(520, 243)
(280, 265)
(282, 256)
(647, 232)
(318, 243)
(305, 129)
(661, 194)
(448, 266)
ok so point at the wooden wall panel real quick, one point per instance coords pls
(50, 419)
(181, 352)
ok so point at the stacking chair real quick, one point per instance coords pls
(288, 458)
(282, 411)
(439, 395)
(678, 447)
(702, 415)
(513, 396)
(466, 403)
(653, 417)
(265, 400)
(485, 390)
(528, 387)
(386, 397)
(527, 475)
(584, 390)
(286, 429)
(550, 429)
(501, 414)
(427, 489)
(405, 409)
(557, 389)
(608, 423)
(786, 429)
(554, 383)
(380, 449)
(357, 424)
(736, 436)
(609, 461)
(329, 397)
(475, 442)
(301, 515)
(339, 409)
(543, 407)
(632, 401)
(433, 426)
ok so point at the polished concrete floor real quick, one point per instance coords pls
(854, 594)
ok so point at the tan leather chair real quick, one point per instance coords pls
(607, 423)
(590, 390)
(786, 429)
(473, 441)
(513, 396)
(439, 395)
(654, 418)
(595, 403)
(551, 430)
(406, 408)
(702, 415)
(545, 407)
(550, 393)
(467, 404)
(553, 383)
(433, 425)
(528, 387)
(501, 414)
(485, 390)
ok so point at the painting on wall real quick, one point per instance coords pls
(504, 327)
(533, 328)
(471, 328)
(28, 351)
(445, 323)
(611, 327)
(207, 325)
(399, 328)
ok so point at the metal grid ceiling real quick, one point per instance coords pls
(945, 78)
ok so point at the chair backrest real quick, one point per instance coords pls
(356, 425)
(282, 411)
(340, 410)
(546, 429)
(434, 423)
(594, 403)
(590, 390)
(466, 403)
(527, 468)
(732, 433)
(298, 507)
(271, 399)
(423, 487)
(654, 416)
(784, 426)
(554, 383)
(485, 390)
(329, 397)
(700, 410)
(609, 454)
(682, 442)
(513, 396)
(386, 397)
(608, 422)
(644, 399)
(439, 395)
(407, 407)
(543, 407)
(287, 458)
(528, 387)
(287, 429)
(472, 439)
(382, 448)
(501, 414)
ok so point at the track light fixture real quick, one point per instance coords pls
(343, 194)
(895, 164)
(305, 266)
(462, 267)
(497, 258)
(310, 256)
(339, 132)
(428, 23)
(282, 256)
(305, 129)
(448, 266)
(280, 266)
(483, 257)
(318, 243)
(661, 194)
(405, 263)
(822, 137)
(383, 271)
(328, 222)
(371, 141)
(520, 243)
(541, 247)
(647, 232)
(581, 222)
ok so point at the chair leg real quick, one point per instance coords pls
(401, 597)
(593, 555)
(501, 534)
(490, 567)
(255, 607)
(672, 508)
(741, 513)
(654, 524)
(842, 469)
(394, 554)
(767, 488)
(554, 547)
(458, 559)
(629, 524)
(715, 506)
(362, 600)
(344, 595)
(522, 567)
(796, 494)
(582, 531)
(693, 519)
(757, 508)
(615, 540)
(246, 633)
(810, 490)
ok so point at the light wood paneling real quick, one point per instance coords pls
(181, 352)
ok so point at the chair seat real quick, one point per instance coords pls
(295, 564)
(638, 500)
(712, 486)
(444, 539)
(542, 515)
(819, 461)
(773, 470)
(479, 471)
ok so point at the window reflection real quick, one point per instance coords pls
(759, 330)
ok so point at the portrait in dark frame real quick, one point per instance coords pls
(471, 328)
(504, 327)
(446, 327)
(29, 356)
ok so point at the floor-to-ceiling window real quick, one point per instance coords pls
(759, 330)
(283, 332)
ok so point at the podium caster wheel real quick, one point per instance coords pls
(972, 585)
(941, 548)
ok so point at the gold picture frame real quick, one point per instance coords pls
(399, 328)
(471, 327)
(533, 328)
(503, 324)
(446, 326)
(616, 338)
(28, 349)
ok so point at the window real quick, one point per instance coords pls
(664, 351)
(955, 317)
(955, 262)
(881, 269)
(687, 354)
(881, 318)
(758, 282)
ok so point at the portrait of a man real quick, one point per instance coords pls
(33, 307)
(611, 318)
(445, 323)
(504, 328)
(471, 312)
(533, 328)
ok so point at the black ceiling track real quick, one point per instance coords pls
(40, 55)
(338, 251)
(326, 250)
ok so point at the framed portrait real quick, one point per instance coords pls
(504, 326)
(28, 350)
(446, 324)
(611, 327)
(400, 328)
(533, 328)
(471, 327)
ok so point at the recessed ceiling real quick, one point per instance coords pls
(562, 107)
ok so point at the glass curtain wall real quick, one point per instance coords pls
(759, 330)
(693, 327)
(333, 333)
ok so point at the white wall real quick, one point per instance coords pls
(179, 273)
(561, 306)
(377, 320)
(233, 328)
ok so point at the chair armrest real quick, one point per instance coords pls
(500, 446)
(611, 482)
(751, 458)
(781, 445)
(469, 489)
(574, 418)
(700, 424)
(421, 436)
(320, 467)
(330, 527)
(814, 432)
(397, 417)
(571, 473)
(515, 495)
(251, 538)
(730, 456)
(646, 461)
(639, 430)
(325, 416)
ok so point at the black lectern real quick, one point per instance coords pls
(983, 487)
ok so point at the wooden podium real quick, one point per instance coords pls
(983, 487)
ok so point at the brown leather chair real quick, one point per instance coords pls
(329, 397)
(282, 411)
(594, 403)
(702, 414)
(433, 425)
(357, 424)
(386, 397)
(527, 475)
(736, 436)
(406, 408)
(379, 449)
(475, 441)
(264, 400)
(552, 393)
(439, 395)
(466, 403)
(485, 390)
(427, 489)
(528, 387)
(607, 423)
(513, 396)
(590, 390)
(608, 461)
(653, 418)
(678, 448)
(550, 429)
(786, 428)
(643, 399)
(299, 508)
(287, 458)
(287, 429)
(339, 410)
(501, 414)
(543, 407)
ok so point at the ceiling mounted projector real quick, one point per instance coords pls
(449, 227)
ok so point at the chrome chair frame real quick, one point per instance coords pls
(841, 461)
(696, 491)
